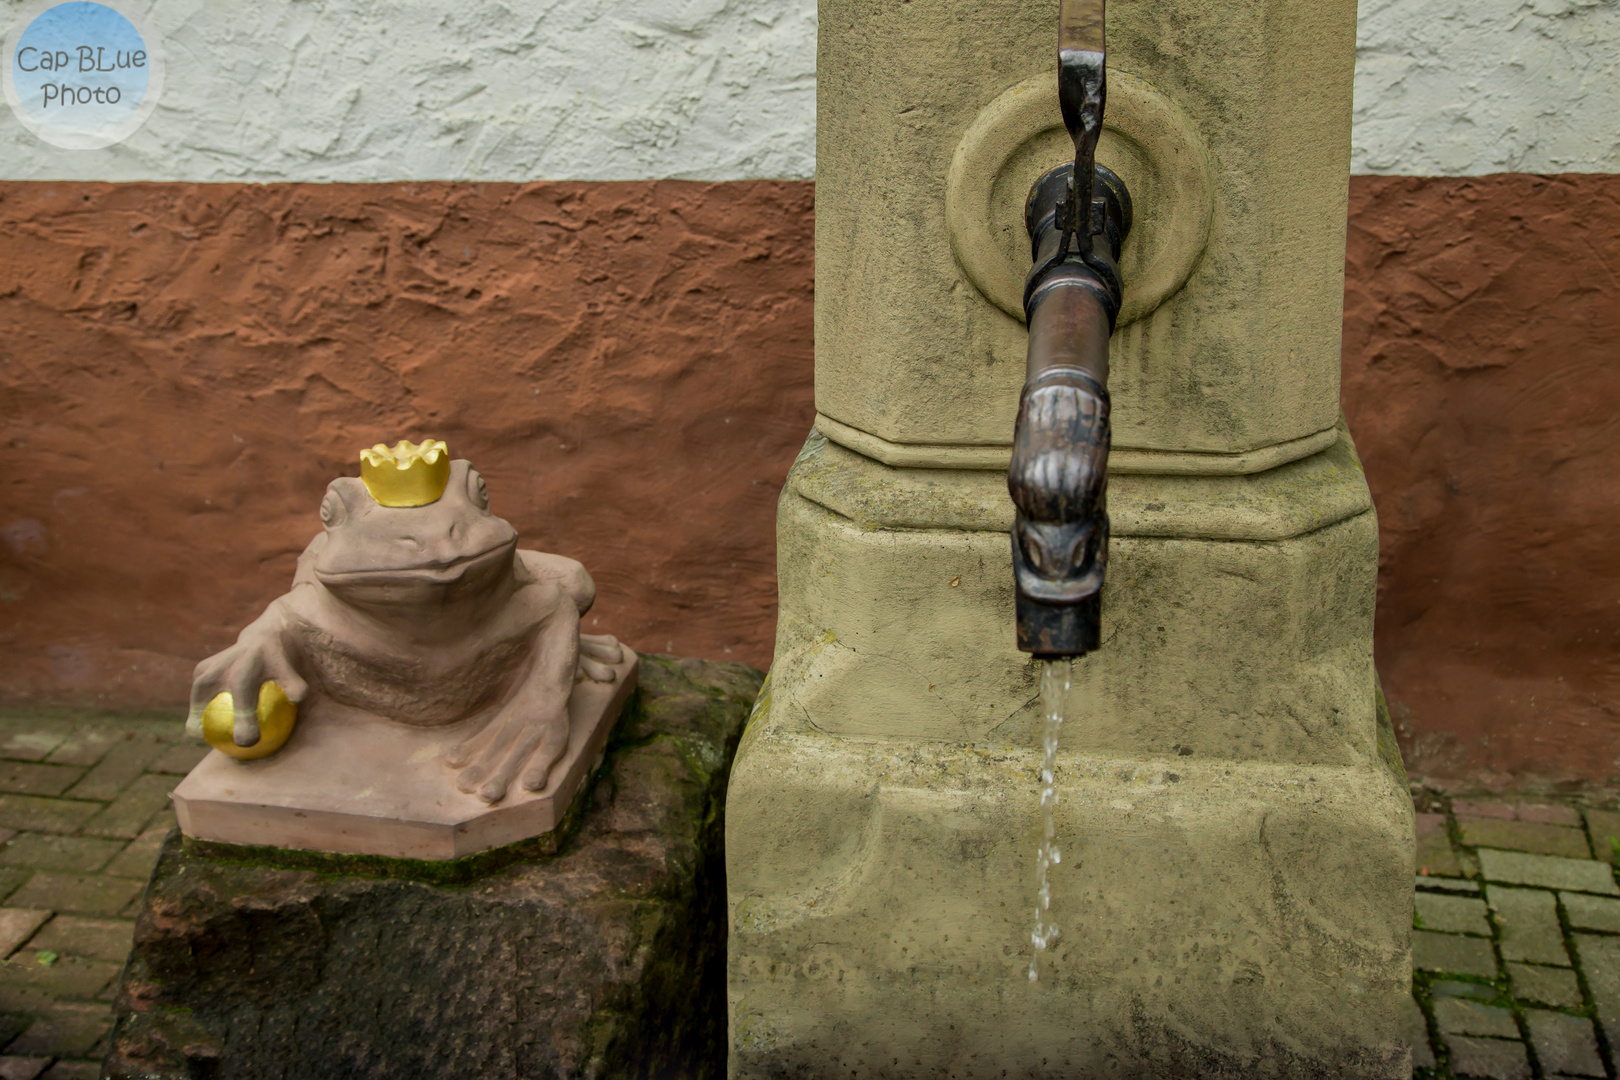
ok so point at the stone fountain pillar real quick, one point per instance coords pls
(1235, 898)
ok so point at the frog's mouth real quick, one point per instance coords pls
(426, 573)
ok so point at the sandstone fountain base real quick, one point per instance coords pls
(350, 783)
(603, 959)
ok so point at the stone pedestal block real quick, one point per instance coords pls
(604, 957)
(1235, 892)
(356, 784)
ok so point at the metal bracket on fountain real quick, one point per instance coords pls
(1078, 215)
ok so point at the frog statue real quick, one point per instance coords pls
(416, 605)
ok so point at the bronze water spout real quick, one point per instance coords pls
(1077, 215)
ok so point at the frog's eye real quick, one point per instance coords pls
(333, 510)
(476, 491)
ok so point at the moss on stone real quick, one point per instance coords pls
(599, 953)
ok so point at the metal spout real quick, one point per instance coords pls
(1059, 472)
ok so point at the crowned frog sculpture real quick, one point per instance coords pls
(415, 605)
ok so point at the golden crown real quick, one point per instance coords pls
(410, 474)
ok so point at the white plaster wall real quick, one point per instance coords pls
(1465, 87)
(360, 90)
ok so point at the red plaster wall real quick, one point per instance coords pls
(184, 367)
(1482, 381)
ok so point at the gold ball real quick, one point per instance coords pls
(276, 718)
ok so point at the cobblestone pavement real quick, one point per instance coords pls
(1516, 912)
(84, 804)
(1516, 940)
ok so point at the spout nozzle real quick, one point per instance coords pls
(1051, 632)
(1078, 216)
(1058, 476)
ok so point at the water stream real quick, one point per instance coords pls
(1054, 701)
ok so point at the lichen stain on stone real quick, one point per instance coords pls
(604, 959)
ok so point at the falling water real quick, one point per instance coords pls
(1054, 700)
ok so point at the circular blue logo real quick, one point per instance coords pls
(82, 75)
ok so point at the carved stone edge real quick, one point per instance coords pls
(1173, 219)
(1293, 499)
(1121, 460)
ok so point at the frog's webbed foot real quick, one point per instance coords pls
(513, 742)
(259, 654)
(598, 656)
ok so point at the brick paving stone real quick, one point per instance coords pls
(1445, 884)
(1548, 814)
(1524, 836)
(1497, 1059)
(82, 894)
(1454, 988)
(86, 746)
(1564, 1045)
(1415, 1030)
(29, 986)
(1483, 808)
(31, 778)
(30, 745)
(22, 1068)
(140, 855)
(1454, 954)
(180, 758)
(1527, 922)
(17, 925)
(1456, 1016)
(67, 1030)
(1434, 854)
(46, 851)
(11, 879)
(118, 768)
(1548, 985)
(35, 813)
(1450, 914)
(1604, 825)
(1579, 875)
(1592, 912)
(1600, 963)
(128, 814)
(73, 1070)
(93, 939)
(48, 866)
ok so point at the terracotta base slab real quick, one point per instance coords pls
(355, 784)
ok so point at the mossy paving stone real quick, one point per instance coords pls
(604, 959)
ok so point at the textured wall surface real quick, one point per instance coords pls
(184, 368)
(356, 90)
(630, 363)
(725, 89)
(1466, 87)
(1481, 322)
